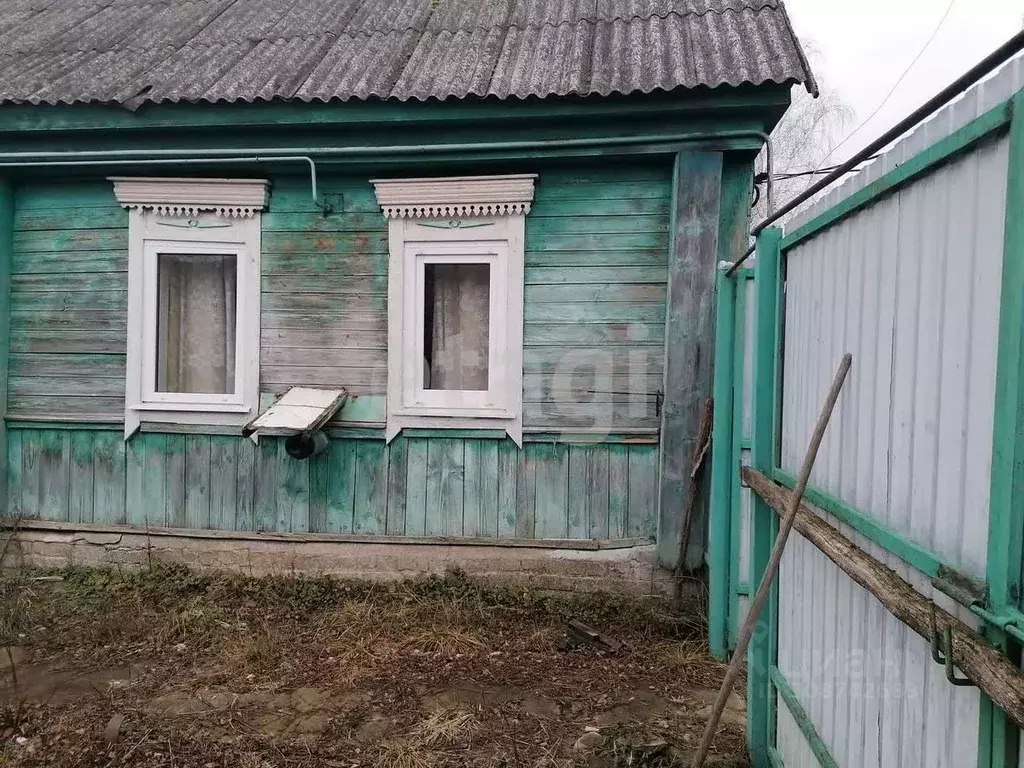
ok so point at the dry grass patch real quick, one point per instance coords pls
(444, 728)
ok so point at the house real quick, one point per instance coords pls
(490, 228)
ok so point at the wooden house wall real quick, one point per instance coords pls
(596, 268)
(415, 486)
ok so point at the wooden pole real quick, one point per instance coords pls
(757, 604)
(700, 449)
(987, 668)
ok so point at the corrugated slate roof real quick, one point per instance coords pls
(132, 52)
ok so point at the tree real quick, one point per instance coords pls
(801, 142)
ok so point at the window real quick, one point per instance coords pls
(193, 300)
(455, 297)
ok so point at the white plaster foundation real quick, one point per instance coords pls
(621, 566)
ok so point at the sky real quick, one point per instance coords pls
(861, 47)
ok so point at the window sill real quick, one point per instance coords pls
(194, 407)
(455, 413)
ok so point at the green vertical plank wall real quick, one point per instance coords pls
(595, 305)
(462, 486)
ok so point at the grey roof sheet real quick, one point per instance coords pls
(132, 52)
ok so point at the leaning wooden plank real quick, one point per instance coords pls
(992, 672)
(300, 409)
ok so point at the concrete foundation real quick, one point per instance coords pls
(621, 567)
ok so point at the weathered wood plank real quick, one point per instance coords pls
(109, 477)
(71, 240)
(223, 481)
(480, 514)
(69, 320)
(38, 194)
(68, 366)
(265, 500)
(358, 381)
(198, 481)
(245, 485)
(159, 456)
(175, 449)
(546, 206)
(341, 486)
(313, 242)
(597, 491)
(53, 474)
(618, 490)
(320, 302)
(319, 491)
(526, 493)
(416, 488)
(334, 284)
(84, 386)
(596, 242)
(51, 408)
(624, 274)
(578, 496)
(631, 292)
(445, 487)
(621, 416)
(508, 477)
(360, 224)
(555, 388)
(135, 484)
(592, 334)
(643, 491)
(371, 487)
(333, 266)
(556, 190)
(689, 335)
(594, 312)
(292, 492)
(69, 218)
(305, 356)
(64, 282)
(324, 337)
(14, 473)
(398, 478)
(81, 488)
(634, 257)
(351, 320)
(64, 262)
(552, 486)
(539, 226)
(59, 341)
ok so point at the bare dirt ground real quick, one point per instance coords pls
(172, 668)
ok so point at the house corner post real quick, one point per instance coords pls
(6, 260)
(764, 525)
(689, 335)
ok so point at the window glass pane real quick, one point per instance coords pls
(196, 323)
(457, 326)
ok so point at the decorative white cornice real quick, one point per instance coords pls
(229, 198)
(455, 196)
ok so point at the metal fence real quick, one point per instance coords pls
(916, 267)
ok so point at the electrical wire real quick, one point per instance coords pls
(896, 85)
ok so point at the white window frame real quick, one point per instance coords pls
(190, 216)
(461, 220)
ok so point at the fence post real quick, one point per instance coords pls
(763, 523)
(998, 738)
(723, 473)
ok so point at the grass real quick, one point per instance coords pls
(318, 671)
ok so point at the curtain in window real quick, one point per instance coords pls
(461, 327)
(196, 323)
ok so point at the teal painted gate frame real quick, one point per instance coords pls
(1001, 617)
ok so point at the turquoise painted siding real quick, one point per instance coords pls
(596, 270)
(415, 486)
(595, 293)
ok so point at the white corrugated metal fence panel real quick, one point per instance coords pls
(910, 286)
(868, 682)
